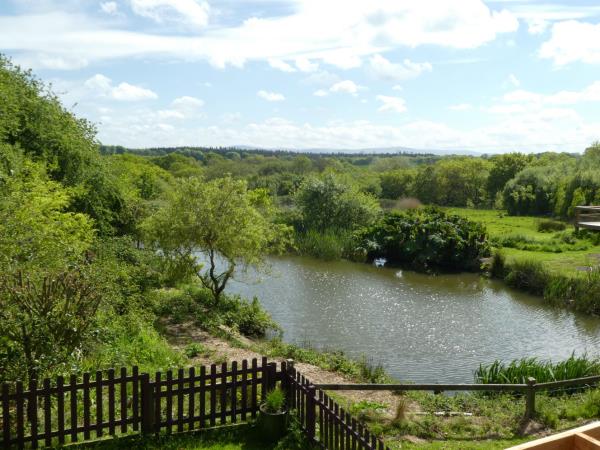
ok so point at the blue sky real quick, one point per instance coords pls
(431, 74)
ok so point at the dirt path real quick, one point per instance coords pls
(220, 350)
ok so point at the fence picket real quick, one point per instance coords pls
(111, 401)
(244, 407)
(191, 398)
(202, 397)
(47, 413)
(223, 392)
(180, 385)
(254, 387)
(123, 399)
(32, 413)
(73, 407)
(99, 417)
(5, 416)
(213, 395)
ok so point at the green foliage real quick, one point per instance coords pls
(36, 230)
(517, 371)
(504, 168)
(326, 204)
(248, 317)
(328, 244)
(547, 225)
(426, 239)
(275, 401)
(196, 349)
(528, 275)
(219, 219)
(43, 321)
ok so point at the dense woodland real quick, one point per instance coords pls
(98, 242)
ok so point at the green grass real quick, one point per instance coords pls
(241, 437)
(461, 444)
(500, 226)
(519, 370)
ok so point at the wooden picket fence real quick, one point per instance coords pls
(107, 403)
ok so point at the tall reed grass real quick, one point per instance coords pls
(518, 370)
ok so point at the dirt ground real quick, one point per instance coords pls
(221, 350)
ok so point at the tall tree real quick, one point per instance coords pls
(222, 220)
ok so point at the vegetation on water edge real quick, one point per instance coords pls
(517, 371)
(426, 239)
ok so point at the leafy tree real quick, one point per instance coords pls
(504, 167)
(326, 203)
(397, 183)
(44, 321)
(223, 221)
(37, 233)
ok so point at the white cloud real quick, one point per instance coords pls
(460, 107)
(537, 25)
(346, 86)
(573, 41)
(397, 87)
(360, 29)
(170, 114)
(590, 93)
(280, 65)
(109, 7)
(130, 93)
(406, 70)
(321, 93)
(305, 65)
(393, 104)
(270, 96)
(102, 86)
(187, 102)
(513, 80)
(186, 11)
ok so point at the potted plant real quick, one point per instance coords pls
(273, 415)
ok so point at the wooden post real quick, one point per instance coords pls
(577, 211)
(287, 378)
(147, 402)
(530, 398)
(310, 412)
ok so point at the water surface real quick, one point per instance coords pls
(422, 328)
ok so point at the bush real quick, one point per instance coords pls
(547, 225)
(426, 239)
(528, 275)
(275, 401)
(249, 318)
(330, 244)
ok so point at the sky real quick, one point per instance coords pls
(491, 76)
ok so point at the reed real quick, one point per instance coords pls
(518, 370)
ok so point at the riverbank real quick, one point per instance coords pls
(411, 420)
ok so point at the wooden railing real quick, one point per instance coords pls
(587, 217)
(529, 389)
(104, 403)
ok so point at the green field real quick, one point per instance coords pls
(500, 226)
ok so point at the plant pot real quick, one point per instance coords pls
(273, 426)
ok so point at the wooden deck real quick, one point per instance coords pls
(587, 217)
(582, 438)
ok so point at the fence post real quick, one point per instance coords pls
(272, 376)
(288, 377)
(530, 398)
(311, 418)
(147, 402)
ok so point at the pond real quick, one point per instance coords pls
(422, 328)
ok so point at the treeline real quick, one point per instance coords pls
(548, 184)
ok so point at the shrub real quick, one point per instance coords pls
(275, 401)
(547, 225)
(195, 349)
(426, 239)
(528, 275)
(329, 244)
(249, 318)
